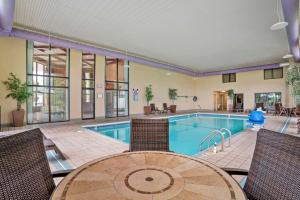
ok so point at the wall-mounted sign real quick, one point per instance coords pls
(99, 95)
(135, 94)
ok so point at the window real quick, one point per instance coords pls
(88, 86)
(227, 78)
(116, 87)
(268, 99)
(273, 73)
(48, 80)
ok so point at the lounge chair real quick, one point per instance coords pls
(149, 135)
(154, 109)
(24, 171)
(280, 110)
(275, 169)
(165, 108)
(239, 107)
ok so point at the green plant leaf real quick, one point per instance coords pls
(16, 89)
(148, 93)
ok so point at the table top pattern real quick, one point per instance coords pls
(148, 175)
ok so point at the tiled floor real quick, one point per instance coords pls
(81, 145)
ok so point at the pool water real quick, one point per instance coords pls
(185, 132)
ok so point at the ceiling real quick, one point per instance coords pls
(201, 35)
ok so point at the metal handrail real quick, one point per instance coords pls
(229, 133)
(211, 136)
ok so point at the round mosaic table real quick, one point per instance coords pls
(148, 175)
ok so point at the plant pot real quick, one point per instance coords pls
(173, 108)
(18, 117)
(147, 110)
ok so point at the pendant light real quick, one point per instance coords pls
(281, 23)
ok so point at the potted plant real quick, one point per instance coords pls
(149, 96)
(18, 91)
(173, 97)
(230, 95)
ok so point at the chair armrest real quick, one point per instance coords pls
(61, 173)
(236, 171)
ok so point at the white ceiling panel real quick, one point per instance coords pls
(203, 35)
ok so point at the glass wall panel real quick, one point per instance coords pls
(58, 62)
(111, 69)
(122, 71)
(116, 86)
(87, 104)
(38, 105)
(88, 86)
(111, 104)
(268, 99)
(48, 79)
(123, 103)
(59, 104)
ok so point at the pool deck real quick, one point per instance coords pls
(80, 145)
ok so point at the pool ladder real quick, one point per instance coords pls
(215, 133)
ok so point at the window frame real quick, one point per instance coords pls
(272, 72)
(229, 77)
(117, 89)
(49, 86)
(91, 89)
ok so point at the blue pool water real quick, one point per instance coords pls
(186, 132)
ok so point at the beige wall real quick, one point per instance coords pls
(100, 87)
(247, 83)
(141, 75)
(12, 59)
(75, 84)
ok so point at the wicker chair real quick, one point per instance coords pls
(149, 135)
(275, 169)
(24, 168)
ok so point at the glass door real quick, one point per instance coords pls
(116, 88)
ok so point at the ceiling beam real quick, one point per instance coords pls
(28, 35)
(7, 9)
(291, 12)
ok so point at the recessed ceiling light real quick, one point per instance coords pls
(287, 56)
(279, 25)
(168, 73)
